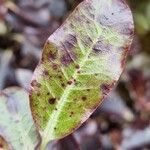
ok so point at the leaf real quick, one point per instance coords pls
(81, 63)
(3, 144)
(16, 124)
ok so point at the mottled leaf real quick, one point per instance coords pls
(81, 63)
(16, 123)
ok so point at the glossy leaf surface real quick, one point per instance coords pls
(81, 63)
(16, 124)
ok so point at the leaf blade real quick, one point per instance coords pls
(16, 124)
(81, 63)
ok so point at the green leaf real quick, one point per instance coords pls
(16, 123)
(81, 63)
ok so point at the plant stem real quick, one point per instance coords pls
(43, 144)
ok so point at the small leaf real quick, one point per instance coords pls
(81, 63)
(16, 124)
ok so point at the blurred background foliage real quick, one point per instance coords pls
(122, 122)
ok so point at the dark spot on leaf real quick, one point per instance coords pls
(46, 73)
(87, 41)
(35, 84)
(60, 77)
(101, 47)
(68, 45)
(55, 66)
(63, 85)
(38, 94)
(71, 114)
(51, 56)
(66, 59)
(84, 98)
(48, 93)
(55, 128)
(52, 101)
(88, 90)
(131, 32)
(77, 66)
(72, 38)
(78, 71)
(107, 87)
(69, 82)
